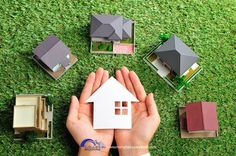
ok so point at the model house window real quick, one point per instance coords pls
(121, 108)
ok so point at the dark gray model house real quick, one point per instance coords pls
(112, 34)
(54, 56)
(111, 27)
(176, 55)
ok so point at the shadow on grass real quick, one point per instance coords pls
(6, 117)
(60, 130)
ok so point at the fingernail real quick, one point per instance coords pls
(92, 73)
(132, 72)
(100, 68)
(71, 98)
(124, 67)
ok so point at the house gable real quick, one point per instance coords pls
(127, 29)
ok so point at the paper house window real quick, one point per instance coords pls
(121, 108)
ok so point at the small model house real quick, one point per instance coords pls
(198, 119)
(175, 62)
(112, 34)
(54, 56)
(32, 114)
(113, 111)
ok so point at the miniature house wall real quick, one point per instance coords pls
(112, 106)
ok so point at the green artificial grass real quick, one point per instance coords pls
(208, 27)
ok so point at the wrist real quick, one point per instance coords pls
(133, 149)
(85, 152)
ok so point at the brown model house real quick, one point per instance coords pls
(198, 119)
(54, 56)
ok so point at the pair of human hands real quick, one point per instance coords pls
(145, 117)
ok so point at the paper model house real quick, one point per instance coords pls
(112, 34)
(175, 62)
(198, 120)
(112, 106)
(54, 56)
(32, 114)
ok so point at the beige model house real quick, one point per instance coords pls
(32, 114)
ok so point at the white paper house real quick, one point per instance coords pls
(112, 106)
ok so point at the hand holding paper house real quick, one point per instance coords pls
(112, 106)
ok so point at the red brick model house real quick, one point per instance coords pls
(199, 119)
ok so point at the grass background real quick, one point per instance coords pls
(209, 27)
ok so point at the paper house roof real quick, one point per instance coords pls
(201, 116)
(52, 52)
(177, 55)
(112, 90)
(112, 27)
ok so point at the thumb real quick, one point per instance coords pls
(74, 107)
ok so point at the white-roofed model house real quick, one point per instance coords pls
(112, 106)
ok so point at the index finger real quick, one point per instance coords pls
(87, 90)
(138, 87)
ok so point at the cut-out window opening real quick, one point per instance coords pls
(124, 104)
(117, 104)
(117, 111)
(121, 108)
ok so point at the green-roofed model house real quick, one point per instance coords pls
(175, 62)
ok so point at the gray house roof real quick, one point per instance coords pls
(112, 27)
(177, 55)
(52, 52)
